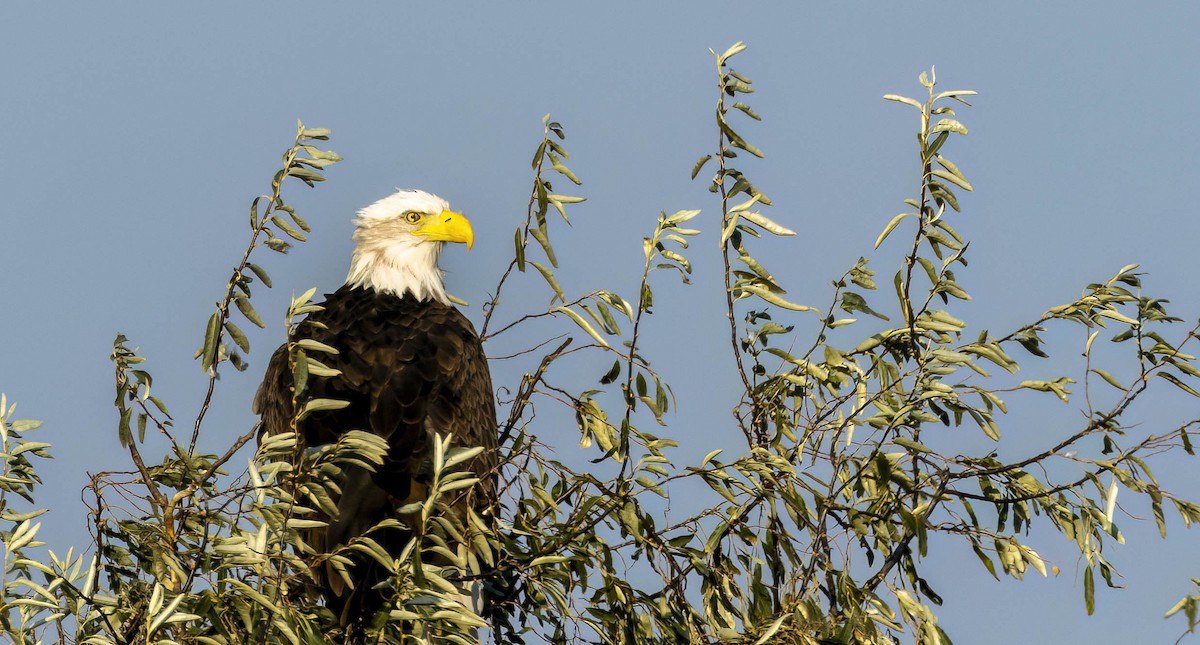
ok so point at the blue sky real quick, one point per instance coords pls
(135, 135)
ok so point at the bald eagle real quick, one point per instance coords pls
(411, 366)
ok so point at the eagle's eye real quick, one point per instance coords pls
(413, 217)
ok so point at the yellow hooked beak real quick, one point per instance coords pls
(448, 227)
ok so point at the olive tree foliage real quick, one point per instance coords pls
(812, 528)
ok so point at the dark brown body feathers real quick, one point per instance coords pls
(409, 369)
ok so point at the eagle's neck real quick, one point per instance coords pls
(388, 266)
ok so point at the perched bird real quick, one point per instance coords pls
(411, 366)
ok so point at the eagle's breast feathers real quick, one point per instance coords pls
(408, 369)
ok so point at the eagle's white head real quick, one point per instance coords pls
(398, 240)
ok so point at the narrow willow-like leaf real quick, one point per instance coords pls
(317, 405)
(766, 223)
(961, 182)
(1089, 590)
(730, 226)
(887, 230)
(519, 250)
(954, 94)
(317, 368)
(320, 134)
(949, 125)
(564, 171)
(1110, 379)
(953, 169)
(915, 446)
(1174, 380)
(244, 306)
(212, 336)
(904, 99)
(299, 371)
(583, 324)
(262, 275)
(773, 298)
(239, 337)
(549, 277)
(733, 50)
(287, 228)
(315, 346)
(565, 199)
(305, 175)
(539, 234)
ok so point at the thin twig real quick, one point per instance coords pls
(236, 278)
(727, 273)
(528, 384)
(490, 307)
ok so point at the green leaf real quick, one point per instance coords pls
(299, 371)
(952, 178)
(305, 175)
(315, 346)
(519, 250)
(764, 222)
(683, 262)
(277, 245)
(549, 277)
(609, 322)
(745, 206)
(166, 613)
(123, 433)
(565, 199)
(733, 50)
(903, 99)
(254, 213)
(251, 593)
(700, 164)
(314, 163)
(745, 145)
(1089, 590)
(162, 407)
(318, 405)
(548, 559)
(212, 336)
(563, 170)
(915, 446)
(1174, 380)
(852, 302)
(238, 336)
(316, 133)
(987, 562)
(287, 228)
(953, 169)
(949, 125)
(317, 368)
(9, 516)
(317, 153)
(954, 94)
(244, 306)
(1109, 378)
(747, 111)
(730, 226)
(1058, 387)
(772, 298)
(539, 234)
(262, 275)
(887, 230)
(539, 155)
(583, 324)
